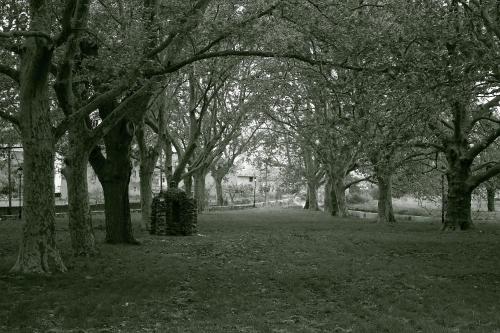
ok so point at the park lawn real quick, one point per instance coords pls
(265, 271)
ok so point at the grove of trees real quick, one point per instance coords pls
(332, 92)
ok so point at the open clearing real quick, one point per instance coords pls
(265, 271)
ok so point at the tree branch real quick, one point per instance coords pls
(170, 68)
(121, 111)
(476, 180)
(10, 72)
(93, 105)
(356, 181)
(483, 144)
(19, 33)
(10, 118)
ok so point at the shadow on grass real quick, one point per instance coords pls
(265, 271)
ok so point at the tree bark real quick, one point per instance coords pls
(38, 250)
(149, 157)
(312, 190)
(490, 194)
(328, 197)
(200, 189)
(188, 185)
(146, 187)
(219, 191)
(169, 170)
(79, 217)
(458, 212)
(114, 172)
(385, 209)
(117, 208)
(339, 203)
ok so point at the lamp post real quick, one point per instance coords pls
(20, 175)
(254, 186)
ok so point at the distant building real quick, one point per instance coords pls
(16, 162)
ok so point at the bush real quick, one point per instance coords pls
(374, 193)
(356, 198)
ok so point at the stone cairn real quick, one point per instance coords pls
(173, 213)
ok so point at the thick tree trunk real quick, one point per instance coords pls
(199, 190)
(114, 172)
(117, 209)
(80, 219)
(490, 194)
(312, 190)
(458, 212)
(385, 210)
(339, 204)
(306, 204)
(38, 252)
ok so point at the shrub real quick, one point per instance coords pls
(356, 198)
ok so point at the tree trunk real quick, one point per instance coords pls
(38, 245)
(385, 210)
(490, 194)
(188, 185)
(219, 192)
(38, 250)
(146, 182)
(339, 204)
(312, 190)
(458, 212)
(80, 219)
(199, 190)
(306, 204)
(148, 159)
(114, 172)
(169, 170)
(328, 197)
(117, 209)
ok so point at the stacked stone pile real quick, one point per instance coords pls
(173, 213)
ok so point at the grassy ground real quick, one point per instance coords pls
(413, 206)
(266, 271)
